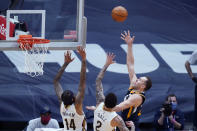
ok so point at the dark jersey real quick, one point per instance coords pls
(132, 113)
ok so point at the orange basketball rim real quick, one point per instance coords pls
(26, 42)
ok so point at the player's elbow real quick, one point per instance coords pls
(98, 80)
(55, 81)
(81, 88)
(130, 67)
(187, 64)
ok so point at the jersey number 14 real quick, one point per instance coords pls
(70, 124)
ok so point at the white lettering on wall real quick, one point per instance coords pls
(145, 62)
(17, 58)
(171, 53)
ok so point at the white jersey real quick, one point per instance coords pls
(102, 119)
(193, 58)
(71, 119)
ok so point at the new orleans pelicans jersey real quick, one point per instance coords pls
(71, 119)
(132, 113)
(102, 119)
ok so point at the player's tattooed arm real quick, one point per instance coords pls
(82, 84)
(118, 121)
(57, 85)
(99, 87)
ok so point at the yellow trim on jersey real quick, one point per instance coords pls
(132, 92)
(139, 114)
(130, 87)
(142, 95)
(130, 111)
(66, 106)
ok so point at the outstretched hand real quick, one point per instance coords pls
(92, 108)
(67, 57)
(110, 58)
(81, 52)
(127, 37)
(194, 79)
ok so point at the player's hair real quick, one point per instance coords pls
(68, 97)
(110, 100)
(148, 83)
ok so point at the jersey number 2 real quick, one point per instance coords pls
(98, 125)
(71, 125)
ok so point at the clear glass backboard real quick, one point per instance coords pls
(60, 21)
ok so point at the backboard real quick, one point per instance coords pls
(62, 22)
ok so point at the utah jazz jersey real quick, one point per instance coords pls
(132, 113)
(71, 119)
(102, 119)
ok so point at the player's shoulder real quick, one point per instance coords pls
(54, 120)
(194, 53)
(136, 95)
(35, 120)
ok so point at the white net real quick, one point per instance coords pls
(34, 58)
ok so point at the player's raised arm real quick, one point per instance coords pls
(130, 58)
(99, 87)
(57, 85)
(119, 122)
(82, 84)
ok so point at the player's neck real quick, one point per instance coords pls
(136, 90)
(66, 106)
(140, 90)
(107, 109)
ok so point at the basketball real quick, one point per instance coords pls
(119, 14)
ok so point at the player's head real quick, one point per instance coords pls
(45, 115)
(68, 97)
(143, 83)
(110, 100)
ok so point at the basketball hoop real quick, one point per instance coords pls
(35, 51)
